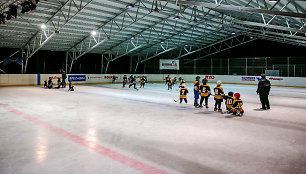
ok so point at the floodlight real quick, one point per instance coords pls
(93, 32)
(176, 18)
(43, 26)
(130, 6)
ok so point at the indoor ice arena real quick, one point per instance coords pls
(152, 87)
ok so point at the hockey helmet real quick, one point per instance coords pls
(198, 77)
(230, 93)
(263, 76)
(184, 85)
(237, 95)
(180, 78)
(204, 80)
(219, 82)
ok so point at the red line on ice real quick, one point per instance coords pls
(140, 166)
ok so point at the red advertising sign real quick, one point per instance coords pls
(209, 77)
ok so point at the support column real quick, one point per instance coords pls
(136, 67)
(288, 68)
(102, 63)
(22, 63)
(106, 67)
(66, 67)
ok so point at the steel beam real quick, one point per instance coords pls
(238, 8)
(219, 47)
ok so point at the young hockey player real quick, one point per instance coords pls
(133, 82)
(113, 79)
(170, 83)
(124, 81)
(229, 100)
(71, 88)
(204, 92)
(50, 83)
(237, 105)
(45, 84)
(58, 83)
(196, 91)
(174, 81)
(183, 93)
(167, 79)
(142, 81)
(218, 96)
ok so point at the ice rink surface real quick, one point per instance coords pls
(107, 129)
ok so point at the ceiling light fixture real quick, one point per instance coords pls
(176, 18)
(93, 32)
(130, 6)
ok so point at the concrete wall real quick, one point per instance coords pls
(34, 79)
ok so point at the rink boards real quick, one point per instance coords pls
(38, 79)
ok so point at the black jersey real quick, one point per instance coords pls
(218, 92)
(229, 100)
(237, 103)
(124, 79)
(183, 92)
(204, 90)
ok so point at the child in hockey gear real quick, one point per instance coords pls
(167, 79)
(229, 100)
(183, 93)
(204, 92)
(196, 91)
(218, 96)
(113, 79)
(58, 83)
(174, 81)
(237, 105)
(124, 81)
(133, 82)
(71, 88)
(170, 84)
(142, 81)
(45, 84)
(146, 79)
(50, 83)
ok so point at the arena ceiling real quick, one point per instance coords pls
(145, 29)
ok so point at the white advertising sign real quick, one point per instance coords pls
(169, 64)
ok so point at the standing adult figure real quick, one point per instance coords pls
(64, 77)
(263, 90)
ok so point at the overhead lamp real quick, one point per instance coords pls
(162, 42)
(93, 32)
(272, 0)
(186, 45)
(209, 26)
(233, 33)
(176, 18)
(251, 37)
(132, 38)
(43, 26)
(130, 6)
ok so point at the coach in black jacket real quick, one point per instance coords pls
(263, 90)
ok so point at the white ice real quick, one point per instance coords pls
(149, 127)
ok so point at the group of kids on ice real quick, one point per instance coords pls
(60, 84)
(132, 81)
(233, 102)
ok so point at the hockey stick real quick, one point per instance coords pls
(177, 100)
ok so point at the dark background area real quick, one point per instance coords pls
(45, 62)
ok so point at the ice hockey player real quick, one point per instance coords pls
(218, 96)
(64, 77)
(71, 88)
(183, 93)
(196, 88)
(45, 84)
(170, 83)
(263, 91)
(204, 92)
(142, 81)
(174, 81)
(167, 79)
(229, 100)
(113, 79)
(58, 83)
(133, 82)
(124, 81)
(237, 105)
(50, 83)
